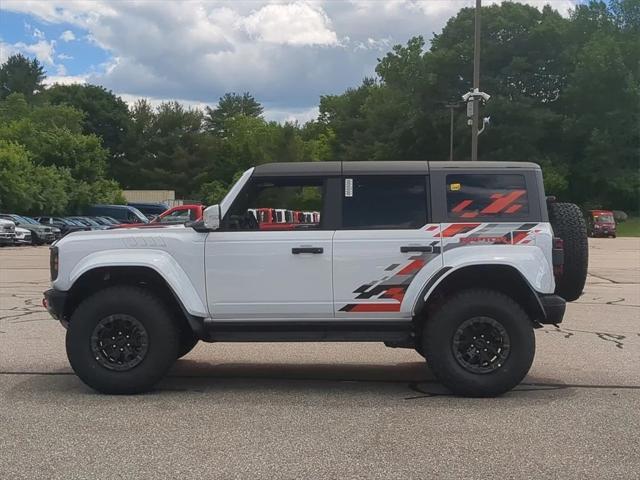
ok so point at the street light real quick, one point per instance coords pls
(476, 85)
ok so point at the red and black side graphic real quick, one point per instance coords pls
(390, 288)
(491, 234)
(456, 229)
(501, 204)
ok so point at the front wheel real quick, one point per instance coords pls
(188, 341)
(122, 340)
(479, 343)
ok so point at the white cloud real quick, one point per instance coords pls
(67, 36)
(38, 33)
(295, 115)
(296, 23)
(6, 50)
(65, 79)
(44, 51)
(285, 52)
(64, 56)
(156, 102)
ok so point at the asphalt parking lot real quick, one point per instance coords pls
(327, 410)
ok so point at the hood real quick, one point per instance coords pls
(7, 225)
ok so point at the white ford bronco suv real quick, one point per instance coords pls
(460, 261)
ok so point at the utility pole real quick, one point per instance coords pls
(476, 84)
(451, 106)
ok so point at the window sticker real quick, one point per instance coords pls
(348, 187)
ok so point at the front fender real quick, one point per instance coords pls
(160, 261)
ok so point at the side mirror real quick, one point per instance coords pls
(211, 217)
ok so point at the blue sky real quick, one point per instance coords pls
(286, 52)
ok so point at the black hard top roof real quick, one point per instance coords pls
(400, 167)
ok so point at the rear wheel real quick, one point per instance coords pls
(122, 340)
(479, 343)
(568, 224)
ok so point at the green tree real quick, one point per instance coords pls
(48, 165)
(230, 106)
(105, 114)
(21, 75)
(29, 188)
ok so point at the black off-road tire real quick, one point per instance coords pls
(162, 335)
(568, 224)
(188, 341)
(438, 343)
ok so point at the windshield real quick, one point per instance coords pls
(606, 218)
(139, 214)
(81, 221)
(89, 221)
(18, 219)
(31, 221)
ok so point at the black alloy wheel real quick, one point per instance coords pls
(119, 342)
(481, 345)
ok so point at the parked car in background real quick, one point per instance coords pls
(181, 214)
(104, 221)
(40, 234)
(174, 216)
(7, 232)
(122, 213)
(23, 236)
(151, 210)
(601, 223)
(65, 226)
(89, 222)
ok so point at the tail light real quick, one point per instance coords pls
(54, 262)
(558, 256)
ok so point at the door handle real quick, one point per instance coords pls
(416, 248)
(298, 250)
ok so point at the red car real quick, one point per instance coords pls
(600, 223)
(173, 216)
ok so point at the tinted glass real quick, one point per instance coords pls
(384, 202)
(495, 196)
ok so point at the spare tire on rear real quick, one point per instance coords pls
(568, 224)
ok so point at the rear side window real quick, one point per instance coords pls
(495, 196)
(384, 202)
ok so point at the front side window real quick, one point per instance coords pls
(273, 204)
(384, 202)
(490, 195)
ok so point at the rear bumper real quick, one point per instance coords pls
(54, 301)
(554, 307)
